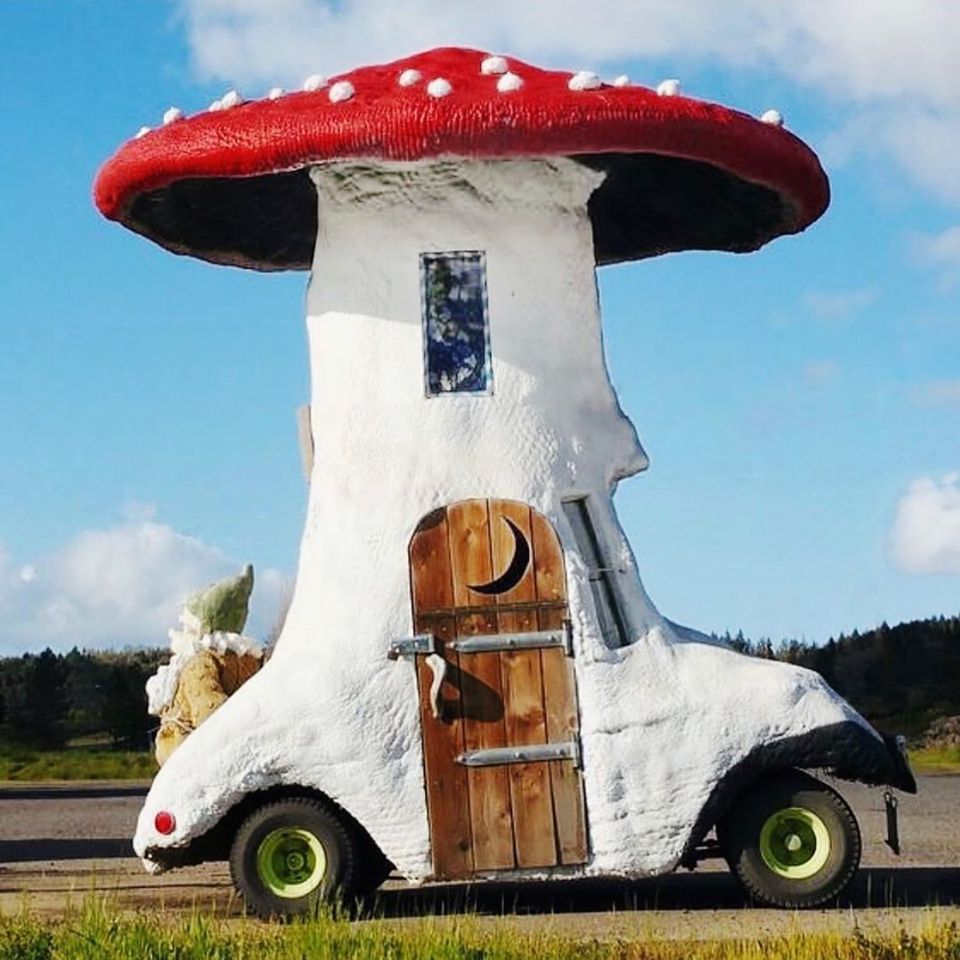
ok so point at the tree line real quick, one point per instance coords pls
(900, 678)
(47, 699)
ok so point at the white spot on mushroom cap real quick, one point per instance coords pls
(584, 80)
(773, 117)
(141, 132)
(622, 81)
(493, 65)
(216, 105)
(230, 99)
(669, 88)
(409, 77)
(439, 87)
(340, 91)
(316, 81)
(275, 93)
(171, 114)
(509, 82)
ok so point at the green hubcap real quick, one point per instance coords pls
(794, 843)
(291, 862)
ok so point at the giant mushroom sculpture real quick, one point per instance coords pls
(452, 208)
(233, 186)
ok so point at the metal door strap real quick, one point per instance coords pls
(531, 753)
(422, 644)
(492, 642)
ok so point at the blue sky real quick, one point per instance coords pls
(801, 406)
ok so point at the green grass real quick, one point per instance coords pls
(97, 932)
(26, 764)
(938, 760)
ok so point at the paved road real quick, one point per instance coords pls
(58, 844)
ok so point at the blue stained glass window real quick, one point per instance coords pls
(456, 328)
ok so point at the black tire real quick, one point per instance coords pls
(296, 827)
(785, 858)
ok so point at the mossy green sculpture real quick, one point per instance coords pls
(223, 605)
(211, 659)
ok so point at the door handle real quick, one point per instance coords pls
(438, 667)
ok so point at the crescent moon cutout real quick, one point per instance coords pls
(515, 571)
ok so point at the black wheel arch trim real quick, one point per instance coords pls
(845, 750)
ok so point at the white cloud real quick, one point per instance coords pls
(941, 252)
(840, 304)
(115, 587)
(891, 61)
(938, 393)
(818, 372)
(926, 531)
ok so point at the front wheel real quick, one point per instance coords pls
(291, 855)
(792, 842)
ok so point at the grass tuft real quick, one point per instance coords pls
(26, 764)
(935, 760)
(96, 931)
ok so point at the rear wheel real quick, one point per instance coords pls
(291, 855)
(792, 842)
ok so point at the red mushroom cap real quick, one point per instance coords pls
(231, 185)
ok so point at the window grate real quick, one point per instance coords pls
(613, 625)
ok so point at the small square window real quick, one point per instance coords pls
(456, 326)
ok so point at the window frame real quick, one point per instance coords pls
(611, 616)
(481, 257)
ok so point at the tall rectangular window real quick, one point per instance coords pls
(613, 625)
(456, 326)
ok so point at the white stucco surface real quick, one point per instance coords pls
(662, 718)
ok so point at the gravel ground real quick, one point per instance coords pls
(60, 843)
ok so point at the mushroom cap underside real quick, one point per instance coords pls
(232, 186)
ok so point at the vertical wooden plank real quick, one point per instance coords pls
(446, 780)
(559, 696)
(530, 790)
(491, 817)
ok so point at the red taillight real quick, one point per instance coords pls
(165, 822)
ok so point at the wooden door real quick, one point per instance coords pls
(488, 575)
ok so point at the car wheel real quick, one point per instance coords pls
(792, 842)
(292, 855)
